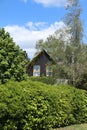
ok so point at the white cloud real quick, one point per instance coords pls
(36, 26)
(48, 3)
(26, 37)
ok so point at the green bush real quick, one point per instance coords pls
(13, 59)
(37, 106)
(44, 79)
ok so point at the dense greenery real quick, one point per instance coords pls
(12, 59)
(29, 105)
(44, 79)
(33, 105)
(66, 48)
(70, 61)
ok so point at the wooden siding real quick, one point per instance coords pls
(42, 59)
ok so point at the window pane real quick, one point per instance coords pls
(48, 71)
(36, 70)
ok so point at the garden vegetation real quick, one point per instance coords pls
(31, 105)
(13, 60)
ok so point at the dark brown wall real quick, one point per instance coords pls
(41, 60)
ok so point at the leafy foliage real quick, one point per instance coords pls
(12, 59)
(36, 106)
(44, 79)
(65, 46)
(70, 60)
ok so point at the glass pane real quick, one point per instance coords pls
(36, 70)
(48, 71)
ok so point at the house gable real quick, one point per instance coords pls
(42, 59)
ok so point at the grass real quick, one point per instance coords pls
(74, 127)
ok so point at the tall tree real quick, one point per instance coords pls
(70, 55)
(12, 59)
(74, 23)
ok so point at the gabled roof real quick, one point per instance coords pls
(37, 56)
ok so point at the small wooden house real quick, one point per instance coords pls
(40, 65)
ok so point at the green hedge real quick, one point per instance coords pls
(44, 79)
(36, 106)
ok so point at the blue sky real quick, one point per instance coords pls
(30, 20)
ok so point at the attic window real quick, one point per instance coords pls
(36, 70)
(48, 71)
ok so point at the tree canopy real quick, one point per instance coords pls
(12, 59)
(70, 55)
(73, 20)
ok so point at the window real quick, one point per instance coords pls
(48, 71)
(36, 70)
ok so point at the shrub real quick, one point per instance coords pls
(13, 59)
(44, 79)
(37, 106)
